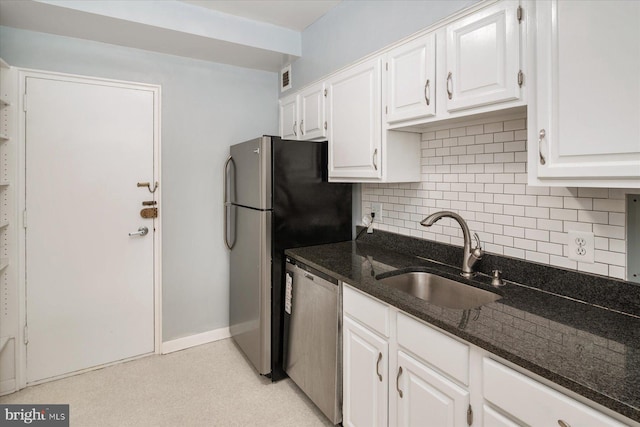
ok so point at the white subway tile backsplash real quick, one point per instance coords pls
(479, 171)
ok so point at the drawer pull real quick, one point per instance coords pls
(563, 424)
(427, 92)
(398, 382)
(541, 136)
(378, 366)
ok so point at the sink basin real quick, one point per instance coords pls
(438, 290)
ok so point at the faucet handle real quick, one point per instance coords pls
(478, 243)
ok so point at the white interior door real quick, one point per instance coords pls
(89, 285)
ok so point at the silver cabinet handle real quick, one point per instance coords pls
(450, 80)
(302, 127)
(142, 231)
(375, 159)
(398, 382)
(541, 136)
(294, 128)
(427, 91)
(378, 366)
(308, 276)
(563, 424)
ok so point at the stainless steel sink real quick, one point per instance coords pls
(439, 290)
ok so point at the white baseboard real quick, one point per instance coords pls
(7, 387)
(194, 340)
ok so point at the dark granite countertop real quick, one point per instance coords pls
(589, 349)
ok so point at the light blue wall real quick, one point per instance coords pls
(205, 108)
(356, 28)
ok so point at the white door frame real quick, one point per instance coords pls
(23, 73)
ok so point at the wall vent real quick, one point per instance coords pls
(285, 78)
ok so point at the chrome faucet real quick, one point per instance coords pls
(470, 256)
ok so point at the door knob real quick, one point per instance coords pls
(142, 231)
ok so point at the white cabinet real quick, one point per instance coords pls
(289, 117)
(417, 393)
(483, 58)
(359, 149)
(584, 121)
(302, 115)
(365, 355)
(365, 376)
(411, 80)
(311, 109)
(398, 370)
(529, 402)
(354, 114)
(425, 397)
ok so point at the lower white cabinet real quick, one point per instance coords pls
(398, 370)
(425, 397)
(530, 402)
(365, 376)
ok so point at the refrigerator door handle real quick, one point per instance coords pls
(226, 204)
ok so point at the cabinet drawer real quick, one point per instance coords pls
(367, 310)
(447, 354)
(533, 403)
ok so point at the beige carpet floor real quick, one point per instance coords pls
(208, 385)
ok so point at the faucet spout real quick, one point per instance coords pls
(470, 256)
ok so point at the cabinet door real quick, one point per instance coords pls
(289, 117)
(312, 120)
(411, 72)
(427, 397)
(355, 132)
(365, 376)
(588, 92)
(533, 403)
(483, 58)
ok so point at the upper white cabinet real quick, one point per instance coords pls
(411, 80)
(289, 117)
(311, 112)
(354, 121)
(483, 58)
(584, 121)
(302, 115)
(360, 149)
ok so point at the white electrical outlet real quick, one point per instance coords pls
(581, 246)
(376, 208)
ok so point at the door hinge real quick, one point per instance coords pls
(386, 109)
(519, 14)
(520, 78)
(26, 335)
(469, 415)
(24, 218)
(386, 66)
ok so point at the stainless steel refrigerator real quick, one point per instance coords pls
(276, 197)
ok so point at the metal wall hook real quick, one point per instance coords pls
(146, 184)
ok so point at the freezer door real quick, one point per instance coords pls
(250, 174)
(250, 286)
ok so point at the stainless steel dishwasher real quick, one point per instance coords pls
(313, 344)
